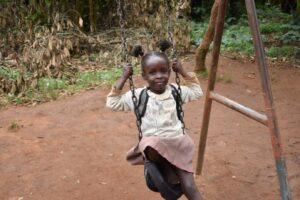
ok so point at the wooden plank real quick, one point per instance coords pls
(253, 114)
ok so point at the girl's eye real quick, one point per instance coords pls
(164, 70)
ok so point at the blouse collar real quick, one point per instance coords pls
(166, 94)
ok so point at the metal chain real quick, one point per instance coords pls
(125, 57)
(170, 31)
(180, 110)
(135, 105)
(125, 54)
(167, 14)
(122, 26)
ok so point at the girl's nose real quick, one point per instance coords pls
(159, 75)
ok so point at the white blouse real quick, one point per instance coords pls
(160, 118)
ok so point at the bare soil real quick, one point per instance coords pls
(74, 148)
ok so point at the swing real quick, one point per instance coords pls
(154, 178)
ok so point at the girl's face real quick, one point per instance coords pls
(157, 73)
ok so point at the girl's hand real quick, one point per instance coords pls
(177, 67)
(127, 71)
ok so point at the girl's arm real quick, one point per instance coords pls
(127, 72)
(177, 67)
(115, 100)
(190, 89)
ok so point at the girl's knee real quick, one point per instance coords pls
(191, 192)
(189, 187)
(152, 154)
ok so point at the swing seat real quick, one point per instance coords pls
(156, 182)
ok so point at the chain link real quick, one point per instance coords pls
(180, 110)
(135, 105)
(168, 15)
(125, 58)
(122, 26)
(169, 27)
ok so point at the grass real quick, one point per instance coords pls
(220, 77)
(51, 88)
(14, 126)
(283, 51)
(203, 74)
(224, 78)
(10, 73)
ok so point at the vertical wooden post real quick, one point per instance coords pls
(268, 99)
(211, 82)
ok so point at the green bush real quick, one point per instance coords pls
(198, 30)
(278, 34)
(9, 73)
(290, 37)
(237, 39)
(284, 51)
(274, 27)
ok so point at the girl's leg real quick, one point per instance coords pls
(188, 184)
(173, 173)
(167, 169)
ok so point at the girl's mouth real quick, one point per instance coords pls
(159, 82)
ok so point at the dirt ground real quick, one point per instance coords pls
(74, 148)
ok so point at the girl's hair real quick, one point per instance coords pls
(147, 56)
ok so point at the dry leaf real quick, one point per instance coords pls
(80, 22)
(66, 52)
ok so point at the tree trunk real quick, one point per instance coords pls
(92, 16)
(79, 9)
(274, 2)
(203, 48)
(289, 6)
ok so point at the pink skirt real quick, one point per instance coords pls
(178, 150)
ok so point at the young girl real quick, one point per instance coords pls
(163, 140)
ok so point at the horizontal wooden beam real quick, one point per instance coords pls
(240, 108)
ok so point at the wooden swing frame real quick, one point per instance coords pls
(269, 119)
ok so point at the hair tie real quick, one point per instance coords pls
(137, 51)
(164, 45)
